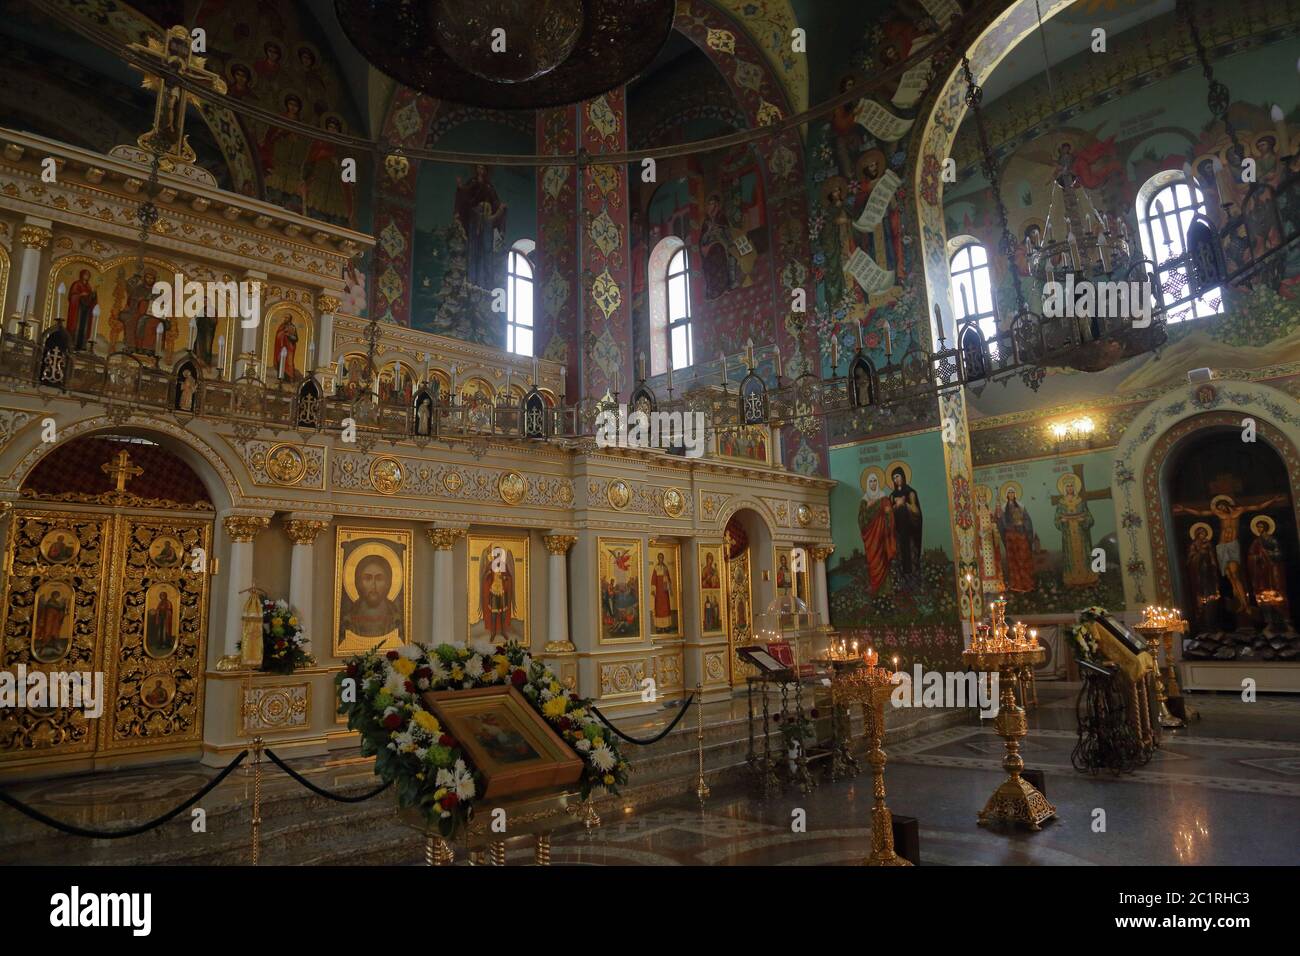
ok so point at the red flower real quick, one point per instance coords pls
(392, 655)
(423, 673)
(410, 688)
(519, 678)
(450, 801)
(352, 670)
(564, 723)
(392, 722)
(447, 740)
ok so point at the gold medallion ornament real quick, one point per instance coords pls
(803, 514)
(386, 475)
(452, 481)
(619, 494)
(674, 503)
(285, 464)
(512, 487)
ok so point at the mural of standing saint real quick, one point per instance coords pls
(1267, 568)
(481, 213)
(496, 592)
(876, 525)
(906, 507)
(1074, 521)
(1203, 575)
(1018, 540)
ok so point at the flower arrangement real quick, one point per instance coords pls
(1082, 642)
(429, 767)
(284, 648)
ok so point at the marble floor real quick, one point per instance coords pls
(1224, 791)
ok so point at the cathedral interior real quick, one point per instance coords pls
(650, 420)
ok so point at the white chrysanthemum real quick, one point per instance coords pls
(395, 684)
(457, 645)
(583, 745)
(458, 778)
(410, 651)
(481, 645)
(603, 757)
(527, 661)
(438, 669)
(546, 693)
(474, 667)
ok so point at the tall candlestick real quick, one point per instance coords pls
(835, 355)
(722, 357)
(534, 369)
(158, 339)
(749, 352)
(641, 364)
(889, 345)
(859, 323)
(509, 374)
(284, 354)
(670, 375)
(194, 331)
(564, 380)
(778, 366)
(221, 352)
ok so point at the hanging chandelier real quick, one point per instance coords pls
(508, 54)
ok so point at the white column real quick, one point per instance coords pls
(326, 306)
(34, 235)
(250, 329)
(241, 529)
(557, 578)
(442, 621)
(822, 598)
(302, 531)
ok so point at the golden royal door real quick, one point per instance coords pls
(740, 615)
(116, 594)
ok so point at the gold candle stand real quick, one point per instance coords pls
(871, 687)
(1016, 799)
(1153, 636)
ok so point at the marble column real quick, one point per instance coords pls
(302, 531)
(241, 529)
(823, 604)
(250, 330)
(443, 620)
(326, 306)
(557, 577)
(35, 236)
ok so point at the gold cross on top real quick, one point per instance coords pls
(121, 470)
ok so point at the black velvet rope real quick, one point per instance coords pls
(317, 790)
(130, 831)
(657, 737)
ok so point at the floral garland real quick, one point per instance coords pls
(1082, 642)
(284, 648)
(429, 767)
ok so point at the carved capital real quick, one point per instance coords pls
(444, 539)
(304, 530)
(34, 237)
(821, 552)
(327, 304)
(559, 543)
(244, 527)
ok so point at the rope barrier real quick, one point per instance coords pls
(130, 831)
(317, 790)
(657, 737)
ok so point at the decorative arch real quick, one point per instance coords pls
(218, 476)
(1146, 444)
(742, 503)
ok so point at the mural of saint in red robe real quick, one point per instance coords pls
(1018, 539)
(876, 524)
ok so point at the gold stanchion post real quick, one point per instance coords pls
(701, 788)
(257, 799)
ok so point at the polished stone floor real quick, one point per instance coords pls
(1224, 791)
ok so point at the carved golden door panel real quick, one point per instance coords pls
(740, 618)
(155, 635)
(112, 594)
(55, 570)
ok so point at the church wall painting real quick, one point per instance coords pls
(619, 568)
(372, 589)
(664, 591)
(498, 588)
(1235, 549)
(1038, 524)
(289, 343)
(54, 611)
(892, 570)
(1116, 147)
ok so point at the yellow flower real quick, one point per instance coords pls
(554, 707)
(293, 622)
(457, 672)
(439, 793)
(427, 722)
(555, 687)
(502, 664)
(609, 778)
(275, 622)
(404, 666)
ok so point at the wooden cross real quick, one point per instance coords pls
(121, 470)
(175, 53)
(1084, 495)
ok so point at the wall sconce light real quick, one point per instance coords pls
(1079, 431)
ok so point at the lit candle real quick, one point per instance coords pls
(564, 375)
(778, 365)
(835, 355)
(284, 354)
(670, 376)
(749, 352)
(889, 344)
(859, 322)
(221, 352)
(158, 339)
(722, 357)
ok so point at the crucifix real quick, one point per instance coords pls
(1083, 495)
(174, 53)
(121, 470)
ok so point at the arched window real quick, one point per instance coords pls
(679, 310)
(972, 289)
(1166, 205)
(519, 299)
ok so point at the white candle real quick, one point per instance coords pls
(509, 375)
(535, 370)
(641, 361)
(564, 375)
(670, 376)
(859, 322)
(778, 364)
(835, 355)
(58, 307)
(221, 352)
(158, 339)
(722, 356)
(284, 353)
(194, 331)
(749, 352)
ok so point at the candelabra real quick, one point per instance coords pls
(1159, 625)
(1008, 650)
